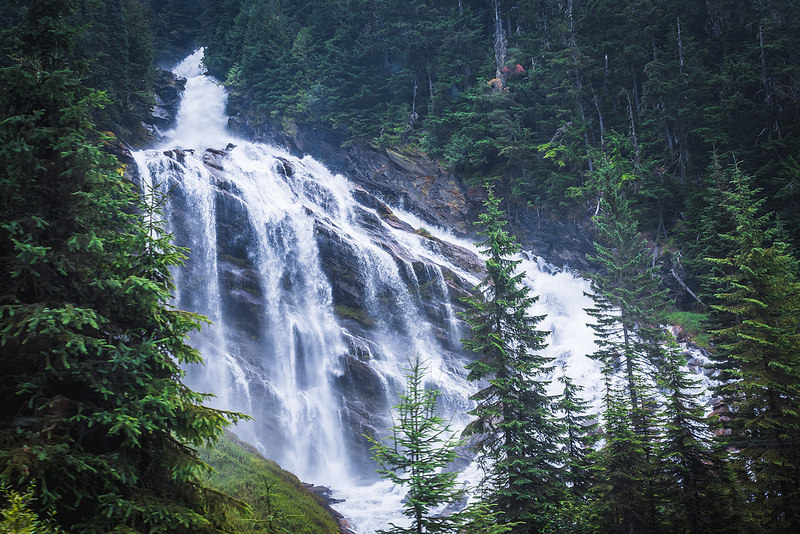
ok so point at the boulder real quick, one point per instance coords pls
(285, 167)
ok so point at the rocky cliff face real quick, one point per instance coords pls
(167, 92)
(422, 186)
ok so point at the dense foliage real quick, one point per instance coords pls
(673, 79)
(95, 416)
(759, 351)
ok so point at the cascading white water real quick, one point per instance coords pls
(317, 302)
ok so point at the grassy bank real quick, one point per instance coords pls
(279, 503)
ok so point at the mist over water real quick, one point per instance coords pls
(285, 345)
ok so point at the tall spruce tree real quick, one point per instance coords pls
(619, 495)
(579, 435)
(627, 302)
(759, 356)
(698, 492)
(94, 411)
(514, 420)
(627, 292)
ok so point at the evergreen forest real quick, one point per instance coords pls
(667, 131)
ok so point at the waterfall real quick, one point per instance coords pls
(317, 299)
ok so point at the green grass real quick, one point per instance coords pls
(694, 324)
(279, 502)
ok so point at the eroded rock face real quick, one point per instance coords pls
(167, 90)
(409, 179)
(436, 195)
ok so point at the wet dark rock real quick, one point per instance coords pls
(323, 492)
(120, 149)
(368, 219)
(123, 152)
(358, 347)
(213, 158)
(340, 263)
(167, 92)
(324, 496)
(562, 239)
(466, 259)
(394, 222)
(178, 154)
(367, 199)
(409, 179)
(364, 412)
(285, 167)
(365, 385)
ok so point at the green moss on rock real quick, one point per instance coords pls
(356, 314)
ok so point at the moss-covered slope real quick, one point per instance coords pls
(279, 501)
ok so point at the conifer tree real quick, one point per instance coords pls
(619, 494)
(518, 433)
(759, 356)
(419, 450)
(94, 411)
(579, 436)
(626, 292)
(702, 234)
(628, 281)
(418, 453)
(627, 302)
(695, 484)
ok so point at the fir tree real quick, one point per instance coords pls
(628, 302)
(626, 292)
(419, 451)
(420, 448)
(95, 413)
(579, 436)
(619, 494)
(759, 354)
(696, 486)
(514, 419)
